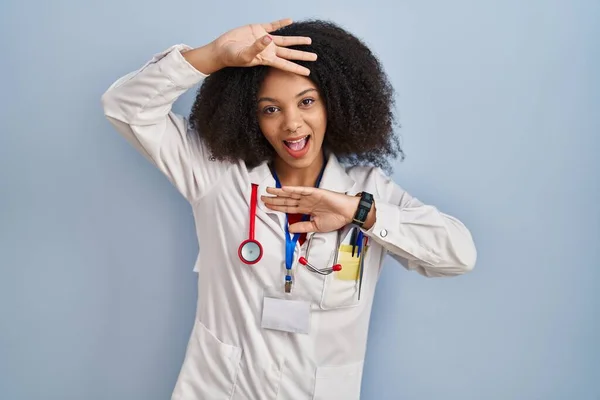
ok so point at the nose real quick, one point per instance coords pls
(293, 121)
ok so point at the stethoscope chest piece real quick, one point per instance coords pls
(250, 251)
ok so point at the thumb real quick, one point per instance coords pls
(257, 47)
(302, 227)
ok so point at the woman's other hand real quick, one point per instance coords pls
(251, 45)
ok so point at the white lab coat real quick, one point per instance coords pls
(229, 355)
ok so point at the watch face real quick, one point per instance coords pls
(363, 209)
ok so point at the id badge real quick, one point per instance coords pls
(285, 312)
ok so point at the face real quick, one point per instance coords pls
(292, 116)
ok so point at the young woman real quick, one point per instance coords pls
(282, 160)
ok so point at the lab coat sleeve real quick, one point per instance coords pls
(139, 106)
(417, 235)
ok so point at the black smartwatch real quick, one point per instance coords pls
(364, 207)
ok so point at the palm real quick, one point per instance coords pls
(323, 217)
(233, 43)
(328, 222)
(241, 47)
(329, 210)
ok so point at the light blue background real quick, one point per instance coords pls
(500, 110)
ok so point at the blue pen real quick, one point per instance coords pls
(361, 265)
(359, 240)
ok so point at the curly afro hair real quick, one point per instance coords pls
(358, 96)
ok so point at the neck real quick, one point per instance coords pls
(290, 176)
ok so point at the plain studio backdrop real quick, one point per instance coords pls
(499, 104)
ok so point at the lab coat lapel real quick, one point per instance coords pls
(335, 177)
(261, 175)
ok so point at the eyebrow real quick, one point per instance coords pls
(272, 100)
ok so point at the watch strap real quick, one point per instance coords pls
(363, 209)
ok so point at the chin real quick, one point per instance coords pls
(299, 163)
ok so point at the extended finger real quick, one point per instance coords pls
(289, 66)
(281, 193)
(290, 54)
(273, 26)
(291, 40)
(288, 209)
(279, 201)
(301, 190)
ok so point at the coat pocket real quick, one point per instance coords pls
(341, 289)
(340, 382)
(210, 367)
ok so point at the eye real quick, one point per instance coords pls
(307, 101)
(269, 110)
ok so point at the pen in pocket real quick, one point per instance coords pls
(362, 262)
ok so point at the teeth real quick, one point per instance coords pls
(297, 141)
(297, 145)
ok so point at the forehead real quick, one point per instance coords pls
(278, 83)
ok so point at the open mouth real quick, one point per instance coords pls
(298, 144)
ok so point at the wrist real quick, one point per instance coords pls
(370, 221)
(353, 203)
(205, 59)
(351, 211)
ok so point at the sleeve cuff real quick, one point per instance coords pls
(387, 231)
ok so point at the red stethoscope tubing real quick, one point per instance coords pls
(253, 248)
(253, 201)
(251, 242)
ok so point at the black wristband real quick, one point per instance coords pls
(363, 209)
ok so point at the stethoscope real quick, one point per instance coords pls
(323, 271)
(250, 250)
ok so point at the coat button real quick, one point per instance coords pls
(383, 233)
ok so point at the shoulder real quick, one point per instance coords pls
(369, 178)
(383, 187)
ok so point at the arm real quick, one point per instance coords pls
(419, 236)
(139, 104)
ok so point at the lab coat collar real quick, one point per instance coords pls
(334, 178)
